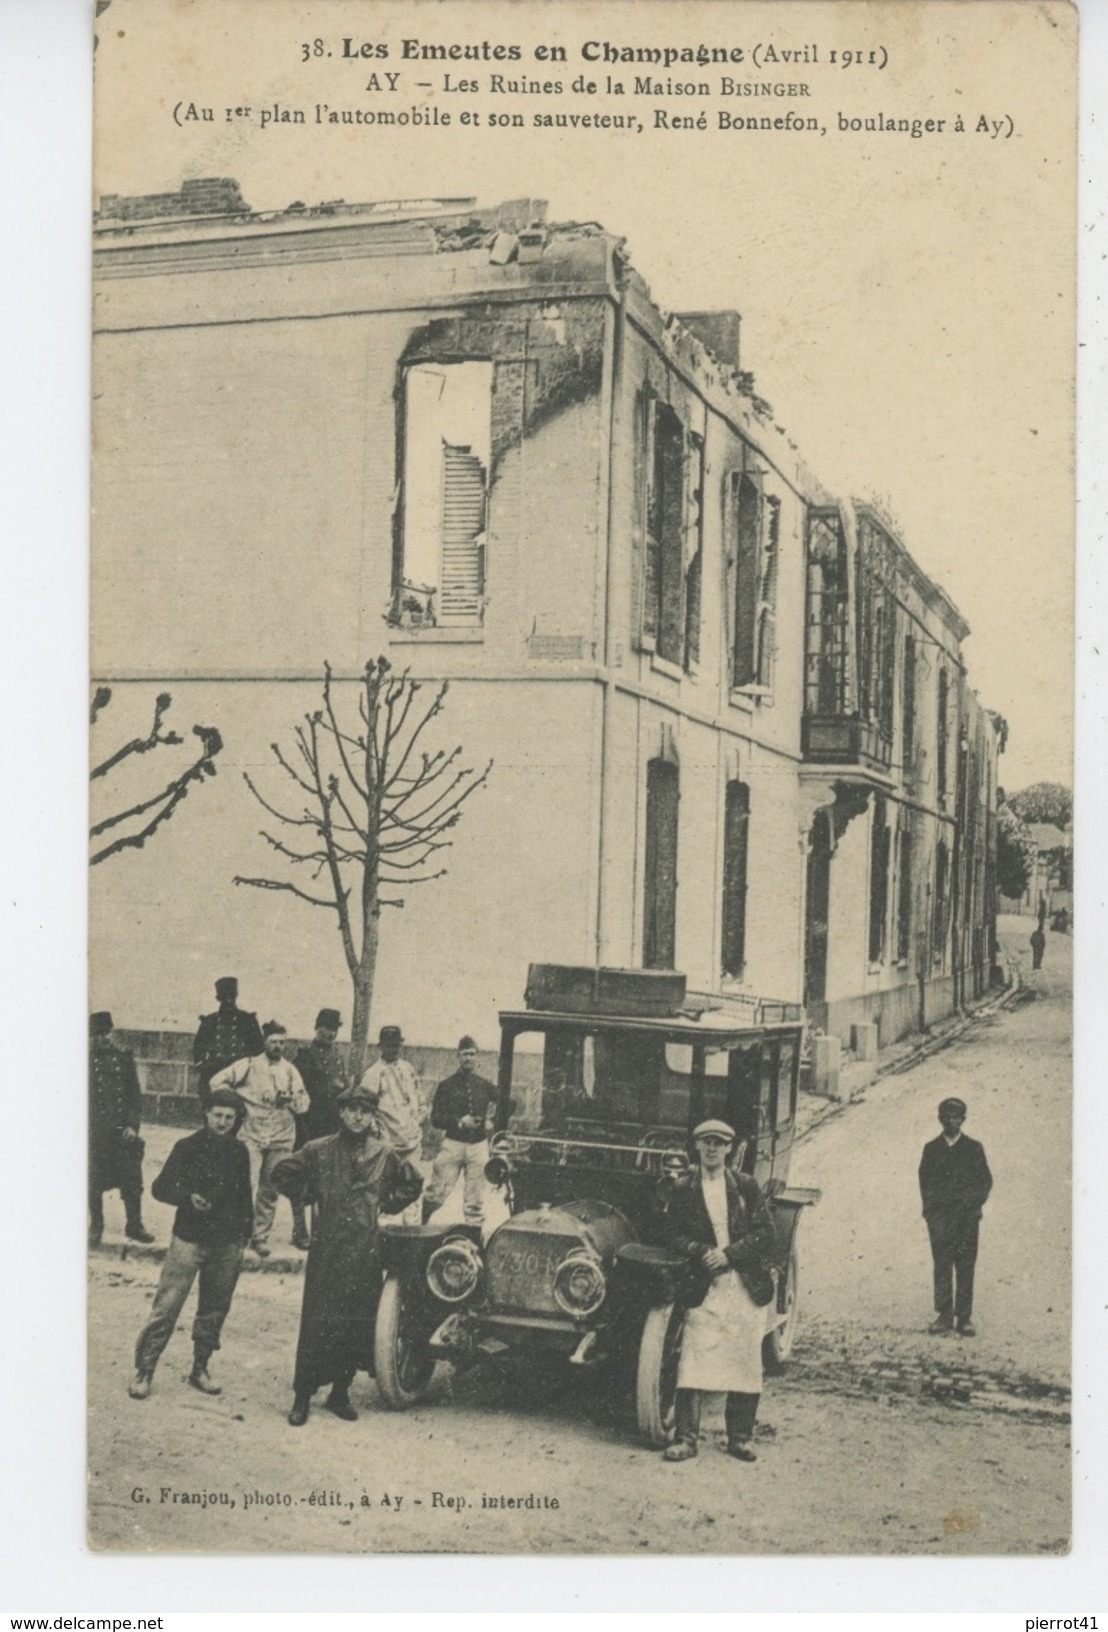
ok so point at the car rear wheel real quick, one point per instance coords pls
(656, 1386)
(403, 1365)
(778, 1345)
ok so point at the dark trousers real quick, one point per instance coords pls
(124, 1171)
(739, 1414)
(218, 1269)
(954, 1254)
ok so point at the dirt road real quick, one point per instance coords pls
(878, 1440)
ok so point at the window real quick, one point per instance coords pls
(904, 894)
(767, 595)
(660, 872)
(878, 881)
(736, 828)
(942, 874)
(826, 684)
(943, 734)
(908, 705)
(664, 586)
(447, 437)
(747, 525)
(694, 553)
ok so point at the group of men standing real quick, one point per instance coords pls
(297, 1127)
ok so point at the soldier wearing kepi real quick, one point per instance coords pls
(954, 1182)
(207, 1178)
(463, 1108)
(348, 1179)
(115, 1116)
(720, 1222)
(323, 1072)
(227, 1035)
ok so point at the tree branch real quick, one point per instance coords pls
(282, 884)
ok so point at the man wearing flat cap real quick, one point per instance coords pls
(273, 1094)
(347, 1179)
(323, 1072)
(392, 1082)
(114, 1119)
(226, 1035)
(954, 1182)
(207, 1178)
(463, 1108)
(719, 1221)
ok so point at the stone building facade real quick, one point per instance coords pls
(728, 714)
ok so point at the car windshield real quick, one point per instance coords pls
(570, 1082)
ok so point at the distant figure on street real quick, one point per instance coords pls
(348, 1178)
(720, 1222)
(1038, 947)
(227, 1035)
(274, 1095)
(392, 1082)
(463, 1107)
(207, 1178)
(954, 1182)
(323, 1072)
(114, 1119)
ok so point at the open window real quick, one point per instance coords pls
(447, 440)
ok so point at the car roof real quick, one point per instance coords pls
(709, 1031)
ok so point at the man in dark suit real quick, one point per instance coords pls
(954, 1182)
(115, 1116)
(224, 1036)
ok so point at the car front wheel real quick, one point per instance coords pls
(656, 1386)
(403, 1365)
(778, 1344)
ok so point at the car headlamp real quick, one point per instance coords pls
(579, 1285)
(454, 1269)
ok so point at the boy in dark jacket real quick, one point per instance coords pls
(954, 1182)
(207, 1178)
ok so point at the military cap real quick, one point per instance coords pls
(466, 1042)
(274, 1028)
(359, 1094)
(227, 986)
(952, 1104)
(713, 1126)
(330, 1018)
(100, 1023)
(390, 1034)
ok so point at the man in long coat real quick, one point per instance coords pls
(224, 1036)
(348, 1178)
(323, 1072)
(115, 1116)
(954, 1182)
(720, 1222)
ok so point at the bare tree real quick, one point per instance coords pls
(140, 820)
(376, 810)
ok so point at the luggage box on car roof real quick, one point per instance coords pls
(566, 989)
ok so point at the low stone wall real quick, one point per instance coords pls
(169, 1081)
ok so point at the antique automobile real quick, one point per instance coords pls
(603, 1075)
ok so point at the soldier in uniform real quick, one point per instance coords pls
(115, 1115)
(228, 1035)
(323, 1072)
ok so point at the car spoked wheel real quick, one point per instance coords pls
(403, 1364)
(656, 1385)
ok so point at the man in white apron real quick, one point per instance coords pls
(720, 1221)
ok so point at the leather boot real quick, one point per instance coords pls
(198, 1376)
(338, 1403)
(687, 1426)
(739, 1414)
(298, 1415)
(140, 1385)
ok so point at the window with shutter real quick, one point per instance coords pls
(736, 829)
(660, 865)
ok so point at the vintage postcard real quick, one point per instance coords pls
(581, 839)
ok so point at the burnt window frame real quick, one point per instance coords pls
(664, 474)
(661, 849)
(736, 875)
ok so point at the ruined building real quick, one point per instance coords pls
(729, 714)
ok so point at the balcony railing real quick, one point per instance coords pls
(844, 739)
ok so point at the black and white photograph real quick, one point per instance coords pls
(581, 896)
